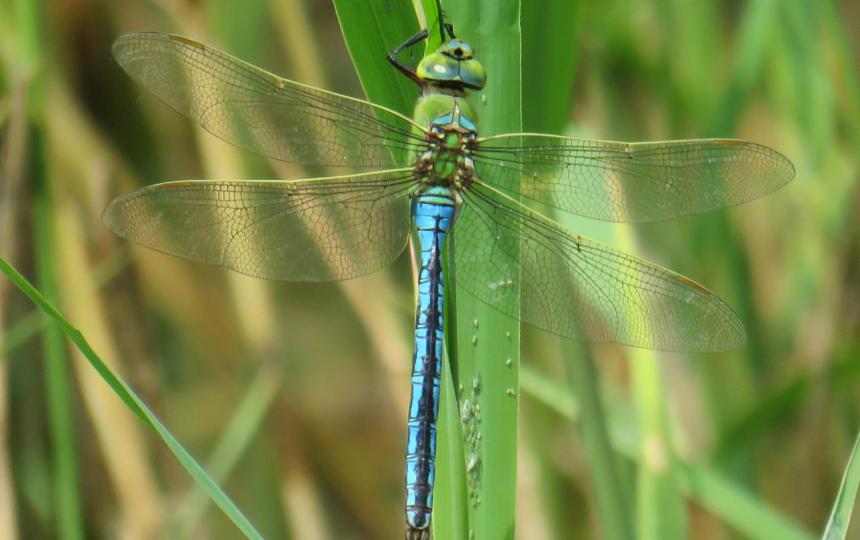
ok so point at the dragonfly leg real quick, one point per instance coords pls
(406, 70)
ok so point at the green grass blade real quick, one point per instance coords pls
(371, 30)
(744, 511)
(134, 403)
(30, 36)
(450, 509)
(757, 22)
(550, 37)
(660, 512)
(487, 342)
(701, 483)
(57, 376)
(234, 441)
(27, 326)
(840, 516)
(614, 505)
(550, 32)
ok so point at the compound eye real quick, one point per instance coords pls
(458, 52)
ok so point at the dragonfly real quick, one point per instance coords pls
(431, 177)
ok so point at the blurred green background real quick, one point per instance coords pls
(294, 395)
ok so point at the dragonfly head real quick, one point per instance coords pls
(453, 65)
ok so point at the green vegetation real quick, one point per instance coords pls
(294, 396)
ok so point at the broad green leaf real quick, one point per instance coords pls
(550, 42)
(372, 29)
(486, 355)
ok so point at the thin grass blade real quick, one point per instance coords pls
(57, 377)
(134, 403)
(237, 436)
(840, 516)
(701, 483)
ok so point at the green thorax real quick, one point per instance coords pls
(452, 123)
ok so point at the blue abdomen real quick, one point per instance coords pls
(433, 213)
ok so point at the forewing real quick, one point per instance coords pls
(634, 182)
(580, 289)
(306, 230)
(255, 110)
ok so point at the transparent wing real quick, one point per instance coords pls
(634, 182)
(306, 230)
(263, 113)
(580, 289)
